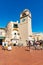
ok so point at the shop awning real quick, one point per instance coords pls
(2, 37)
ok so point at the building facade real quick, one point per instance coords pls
(2, 35)
(12, 32)
(18, 33)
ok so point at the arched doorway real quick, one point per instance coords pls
(1, 39)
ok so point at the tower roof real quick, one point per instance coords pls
(26, 10)
(25, 13)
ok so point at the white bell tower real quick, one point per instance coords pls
(25, 25)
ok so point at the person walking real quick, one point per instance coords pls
(3, 45)
(29, 45)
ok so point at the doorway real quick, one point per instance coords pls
(0, 41)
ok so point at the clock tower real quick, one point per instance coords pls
(25, 25)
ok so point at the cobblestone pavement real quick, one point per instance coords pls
(21, 56)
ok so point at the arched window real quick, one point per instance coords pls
(24, 14)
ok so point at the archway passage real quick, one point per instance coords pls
(1, 41)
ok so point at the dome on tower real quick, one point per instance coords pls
(25, 13)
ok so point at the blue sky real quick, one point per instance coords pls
(10, 11)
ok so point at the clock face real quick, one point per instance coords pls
(23, 20)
